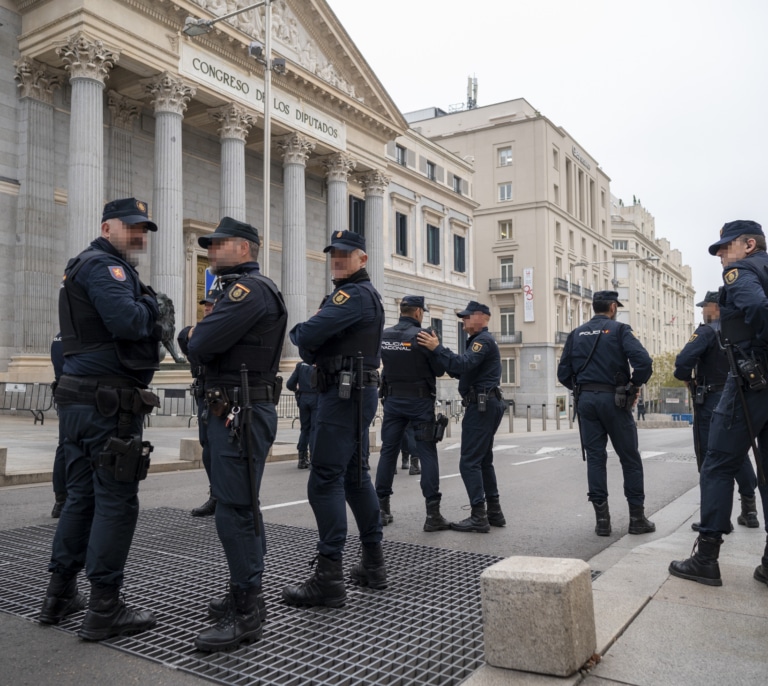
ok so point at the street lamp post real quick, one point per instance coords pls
(197, 27)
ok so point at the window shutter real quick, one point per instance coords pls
(410, 158)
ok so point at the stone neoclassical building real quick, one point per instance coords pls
(102, 99)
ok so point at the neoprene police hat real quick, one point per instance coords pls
(230, 228)
(346, 240)
(210, 299)
(607, 296)
(733, 230)
(474, 306)
(414, 301)
(710, 297)
(129, 211)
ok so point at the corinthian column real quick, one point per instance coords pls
(88, 63)
(234, 124)
(296, 150)
(170, 96)
(338, 167)
(38, 262)
(374, 185)
(124, 113)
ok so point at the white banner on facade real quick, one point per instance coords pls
(528, 294)
(244, 87)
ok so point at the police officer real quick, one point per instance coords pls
(246, 328)
(479, 373)
(59, 465)
(300, 382)
(595, 365)
(743, 407)
(408, 389)
(208, 508)
(409, 453)
(704, 366)
(350, 321)
(110, 338)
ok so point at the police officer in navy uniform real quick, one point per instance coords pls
(744, 326)
(479, 373)
(59, 476)
(246, 327)
(408, 390)
(300, 382)
(110, 337)
(208, 508)
(350, 321)
(595, 365)
(703, 364)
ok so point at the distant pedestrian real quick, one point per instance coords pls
(641, 409)
(300, 382)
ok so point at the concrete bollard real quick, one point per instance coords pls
(511, 420)
(3, 460)
(190, 450)
(557, 419)
(528, 417)
(538, 614)
(543, 417)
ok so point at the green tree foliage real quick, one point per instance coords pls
(663, 366)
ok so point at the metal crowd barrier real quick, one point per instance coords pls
(36, 398)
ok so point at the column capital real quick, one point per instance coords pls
(169, 93)
(374, 182)
(234, 120)
(338, 166)
(36, 80)
(124, 110)
(86, 58)
(295, 148)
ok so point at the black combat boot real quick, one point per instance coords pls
(477, 521)
(241, 622)
(324, 587)
(435, 521)
(748, 516)
(702, 566)
(207, 509)
(638, 523)
(386, 515)
(415, 467)
(108, 616)
(61, 599)
(58, 505)
(761, 572)
(371, 570)
(602, 519)
(217, 608)
(303, 459)
(406, 460)
(495, 515)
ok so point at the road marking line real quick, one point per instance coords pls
(274, 507)
(448, 476)
(453, 447)
(543, 451)
(503, 447)
(538, 459)
(645, 454)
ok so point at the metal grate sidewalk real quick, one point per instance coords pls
(425, 630)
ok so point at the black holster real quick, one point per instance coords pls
(128, 457)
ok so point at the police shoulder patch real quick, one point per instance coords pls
(693, 337)
(340, 298)
(238, 293)
(477, 347)
(117, 273)
(731, 276)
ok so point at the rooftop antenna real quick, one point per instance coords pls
(471, 92)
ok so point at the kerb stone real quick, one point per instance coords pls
(538, 614)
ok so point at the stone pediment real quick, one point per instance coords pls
(307, 32)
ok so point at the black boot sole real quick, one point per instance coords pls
(439, 527)
(103, 634)
(698, 579)
(364, 581)
(603, 532)
(749, 523)
(77, 604)
(471, 530)
(641, 530)
(760, 575)
(246, 638)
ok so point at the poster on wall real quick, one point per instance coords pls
(528, 294)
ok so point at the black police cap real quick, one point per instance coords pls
(129, 211)
(414, 301)
(210, 299)
(474, 306)
(710, 297)
(346, 240)
(230, 228)
(733, 230)
(606, 296)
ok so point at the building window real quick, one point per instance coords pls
(400, 155)
(505, 230)
(357, 215)
(459, 254)
(461, 341)
(437, 327)
(558, 233)
(401, 234)
(508, 370)
(555, 158)
(431, 171)
(457, 184)
(584, 247)
(602, 198)
(557, 194)
(505, 156)
(505, 192)
(570, 241)
(621, 245)
(507, 317)
(507, 265)
(433, 244)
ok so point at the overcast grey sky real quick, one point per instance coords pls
(669, 96)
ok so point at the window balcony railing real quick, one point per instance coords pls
(560, 337)
(511, 337)
(561, 284)
(505, 284)
(581, 290)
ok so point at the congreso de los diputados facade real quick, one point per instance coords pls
(104, 99)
